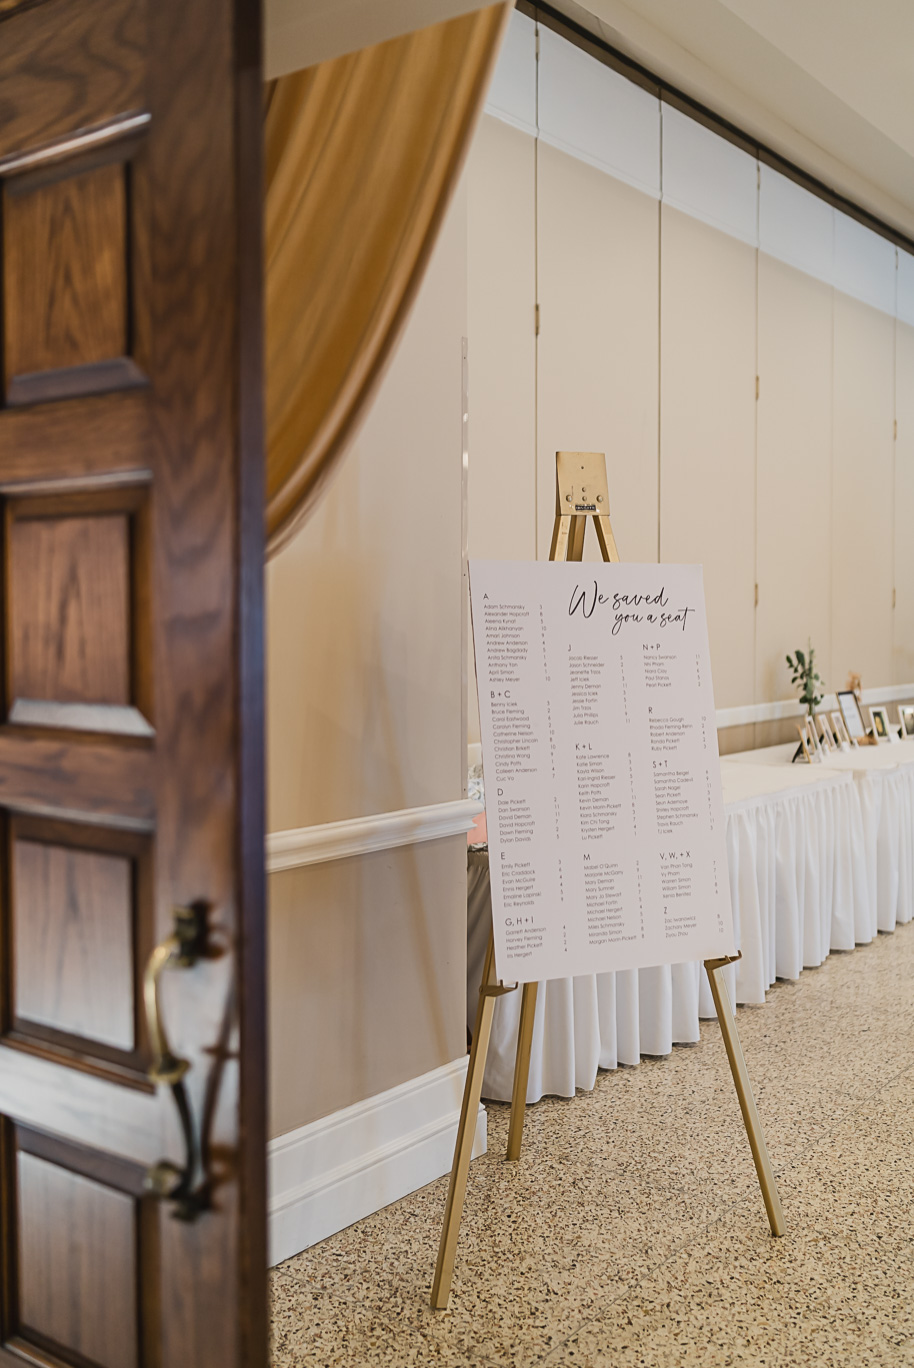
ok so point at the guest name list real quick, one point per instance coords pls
(599, 743)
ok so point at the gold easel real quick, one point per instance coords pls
(581, 492)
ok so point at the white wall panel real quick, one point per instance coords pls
(905, 286)
(512, 94)
(707, 434)
(707, 177)
(796, 226)
(595, 114)
(864, 264)
(794, 474)
(597, 366)
(862, 555)
(501, 256)
(904, 504)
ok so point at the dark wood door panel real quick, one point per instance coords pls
(88, 1110)
(75, 273)
(72, 940)
(89, 1307)
(72, 67)
(130, 681)
(69, 637)
(65, 260)
(78, 639)
(75, 439)
(77, 919)
(97, 1311)
(88, 781)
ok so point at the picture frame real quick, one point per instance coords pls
(816, 746)
(804, 742)
(882, 727)
(840, 731)
(853, 718)
(825, 731)
(906, 719)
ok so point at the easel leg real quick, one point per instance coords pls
(605, 538)
(466, 1130)
(521, 1070)
(746, 1100)
(560, 535)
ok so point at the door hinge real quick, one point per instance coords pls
(537, 42)
(756, 594)
(895, 430)
(894, 594)
(756, 387)
(536, 319)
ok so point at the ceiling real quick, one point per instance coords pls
(827, 83)
(299, 33)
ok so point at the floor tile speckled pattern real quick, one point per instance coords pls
(632, 1230)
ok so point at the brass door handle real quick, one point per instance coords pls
(185, 1186)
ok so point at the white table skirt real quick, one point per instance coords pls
(819, 857)
(884, 777)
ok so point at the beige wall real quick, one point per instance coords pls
(904, 503)
(649, 348)
(863, 501)
(367, 975)
(597, 356)
(365, 716)
(793, 511)
(363, 651)
(501, 254)
(707, 434)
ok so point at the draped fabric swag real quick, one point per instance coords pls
(362, 154)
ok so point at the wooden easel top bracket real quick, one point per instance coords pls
(581, 492)
(580, 484)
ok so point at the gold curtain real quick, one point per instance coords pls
(362, 154)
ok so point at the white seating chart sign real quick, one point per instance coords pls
(599, 741)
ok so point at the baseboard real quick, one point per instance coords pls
(337, 1170)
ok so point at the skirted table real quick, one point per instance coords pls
(884, 776)
(820, 857)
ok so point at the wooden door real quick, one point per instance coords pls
(130, 704)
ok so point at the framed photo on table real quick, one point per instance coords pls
(853, 719)
(840, 731)
(816, 746)
(882, 729)
(808, 747)
(825, 731)
(906, 718)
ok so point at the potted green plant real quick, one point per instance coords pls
(803, 673)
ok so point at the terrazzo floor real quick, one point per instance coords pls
(632, 1231)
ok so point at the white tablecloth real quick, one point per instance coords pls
(884, 777)
(819, 857)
